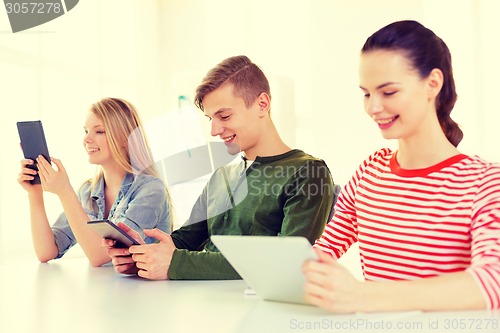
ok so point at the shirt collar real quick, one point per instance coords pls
(98, 190)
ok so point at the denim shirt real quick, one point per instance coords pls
(142, 203)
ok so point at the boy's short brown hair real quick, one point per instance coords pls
(247, 79)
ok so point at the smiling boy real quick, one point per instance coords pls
(270, 190)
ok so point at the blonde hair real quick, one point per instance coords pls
(125, 134)
(126, 139)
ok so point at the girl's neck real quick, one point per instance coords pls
(420, 155)
(113, 176)
(426, 146)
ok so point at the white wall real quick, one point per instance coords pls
(150, 52)
(54, 72)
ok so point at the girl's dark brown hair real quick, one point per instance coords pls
(425, 51)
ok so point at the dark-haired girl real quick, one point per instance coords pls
(427, 217)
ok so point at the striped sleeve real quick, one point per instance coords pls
(342, 231)
(485, 233)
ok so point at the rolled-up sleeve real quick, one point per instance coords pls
(61, 229)
(63, 235)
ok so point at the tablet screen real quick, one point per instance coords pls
(33, 142)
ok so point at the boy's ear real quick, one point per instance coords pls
(264, 103)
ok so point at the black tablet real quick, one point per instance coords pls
(108, 229)
(33, 143)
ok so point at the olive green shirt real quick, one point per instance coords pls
(285, 195)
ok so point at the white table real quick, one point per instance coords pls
(68, 295)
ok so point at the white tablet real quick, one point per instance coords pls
(271, 266)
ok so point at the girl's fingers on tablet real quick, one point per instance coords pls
(26, 162)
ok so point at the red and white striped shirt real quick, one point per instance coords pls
(414, 224)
